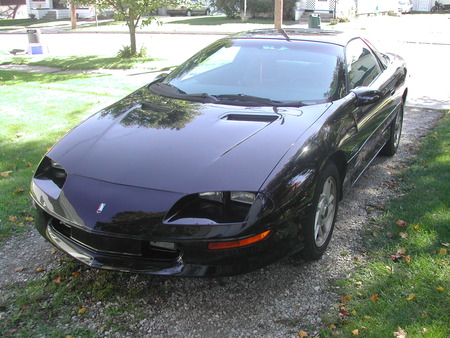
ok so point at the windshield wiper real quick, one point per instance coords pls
(204, 98)
(256, 100)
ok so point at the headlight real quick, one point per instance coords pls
(213, 207)
(52, 170)
(229, 196)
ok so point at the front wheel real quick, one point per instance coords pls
(322, 216)
(391, 146)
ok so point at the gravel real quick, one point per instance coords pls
(276, 301)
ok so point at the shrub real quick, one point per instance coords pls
(126, 53)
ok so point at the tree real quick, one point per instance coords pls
(133, 12)
(73, 13)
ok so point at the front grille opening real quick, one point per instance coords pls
(123, 247)
(61, 227)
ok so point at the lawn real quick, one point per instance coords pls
(35, 111)
(401, 283)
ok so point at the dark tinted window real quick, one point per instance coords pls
(363, 66)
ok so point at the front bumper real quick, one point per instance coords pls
(190, 258)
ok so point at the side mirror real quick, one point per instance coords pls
(366, 96)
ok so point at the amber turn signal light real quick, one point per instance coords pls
(238, 243)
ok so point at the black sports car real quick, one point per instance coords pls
(235, 159)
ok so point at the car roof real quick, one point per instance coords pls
(297, 34)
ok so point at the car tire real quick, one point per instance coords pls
(207, 12)
(320, 220)
(391, 146)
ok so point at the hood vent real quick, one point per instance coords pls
(267, 118)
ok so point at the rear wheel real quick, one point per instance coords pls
(322, 216)
(390, 148)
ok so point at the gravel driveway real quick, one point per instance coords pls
(276, 301)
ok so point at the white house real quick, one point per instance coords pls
(56, 9)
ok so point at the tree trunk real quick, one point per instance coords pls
(132, 29)
(278, 13)
(73, 14)
(16, 8)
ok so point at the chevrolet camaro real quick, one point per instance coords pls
(232, 161)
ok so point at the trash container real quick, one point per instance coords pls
(34, 35)
(314, 21)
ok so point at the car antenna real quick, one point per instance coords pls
(283, 32)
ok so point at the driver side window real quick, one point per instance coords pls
(362, 65)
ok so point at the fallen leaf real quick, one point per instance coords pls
(40, 270)
(58, 280)
(355, 332)
(440, 288)
(302, 334)
(400, 333)
(29, 219)
(446, 244)
(374, 298)
(12, 219)
(354, 312)
(19, 269)
(53, 251)
(407, 259)
(18, 191)
(416, 227)
(401, 251)
(424, 330)
(397, 256)
(367, 317)
(332, 326)
(5, 173)
(75, 273)
(442, 251)
(343, 313)
(82, 311)
(424, 315)
(411, 296)
(345, 299)
(403, 235)
(29, 164)
(401, 223)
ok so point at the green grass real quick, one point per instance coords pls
(17, 22)
(35, 111)
(88, 62)
(403, 277)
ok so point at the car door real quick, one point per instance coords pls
(365, 69)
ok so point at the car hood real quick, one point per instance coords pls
(154, 142)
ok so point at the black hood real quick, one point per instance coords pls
(155, 142)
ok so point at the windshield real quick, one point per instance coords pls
(280, 72)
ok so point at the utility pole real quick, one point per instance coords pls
(278, 13)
